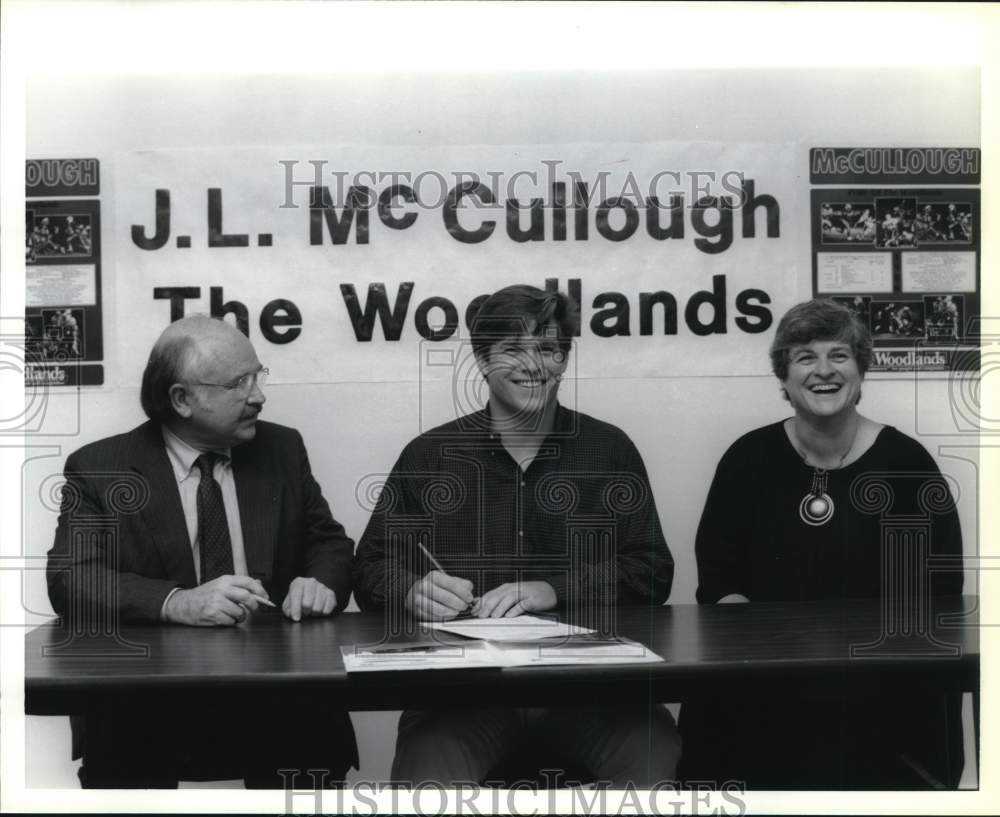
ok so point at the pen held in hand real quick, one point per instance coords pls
(437, 566)
(430, 556)
(266, 602)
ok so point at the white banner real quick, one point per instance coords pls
(681, 255)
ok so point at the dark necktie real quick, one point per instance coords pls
(213, 529)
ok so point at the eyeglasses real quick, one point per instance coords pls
(243, 385)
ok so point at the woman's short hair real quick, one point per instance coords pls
(514, 310)
(165, 367)
(820, 319)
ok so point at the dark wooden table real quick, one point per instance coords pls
(706, 648)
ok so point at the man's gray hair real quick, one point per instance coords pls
(165, 367)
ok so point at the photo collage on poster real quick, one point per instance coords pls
(63, 334)
(932, 318)
(891, 222)
(906, 262)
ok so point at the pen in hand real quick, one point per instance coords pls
(266, 602)
(430, 556)
(437, 566)
(246, 610)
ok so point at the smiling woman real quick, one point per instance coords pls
(788, 518)
(820, 353)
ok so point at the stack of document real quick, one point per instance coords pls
(512, 642)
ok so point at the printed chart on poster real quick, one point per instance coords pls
(62, 325)
(904, 259)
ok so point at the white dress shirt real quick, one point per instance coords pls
(182, 457)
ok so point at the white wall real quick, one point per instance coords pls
(680, 425)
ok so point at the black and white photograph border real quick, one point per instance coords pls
(201, 41)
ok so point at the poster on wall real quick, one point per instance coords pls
(64, 341)
(351, 263)
(906, 258)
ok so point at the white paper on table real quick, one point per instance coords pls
(517, 628)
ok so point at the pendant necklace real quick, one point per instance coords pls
(816, 507)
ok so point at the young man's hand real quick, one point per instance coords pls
(514, 598)
(439, 597)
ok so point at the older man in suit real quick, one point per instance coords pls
(230, 516)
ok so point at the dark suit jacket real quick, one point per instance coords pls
(123, 488)
(122, 543)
